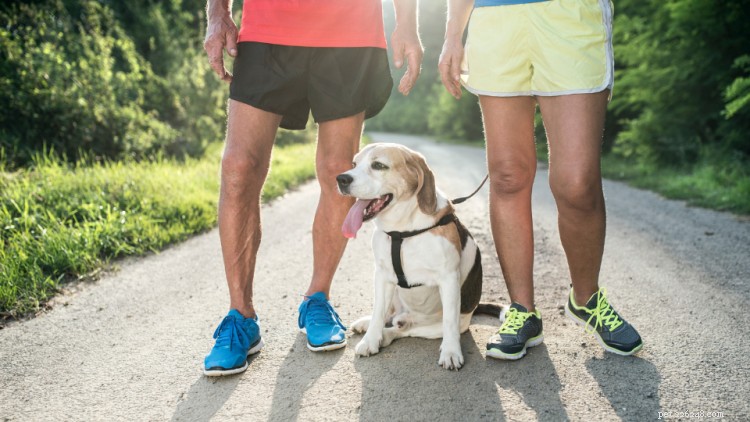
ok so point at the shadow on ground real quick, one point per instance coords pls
(298, 373)
(404, 382)
(206, 396)
(630, 383)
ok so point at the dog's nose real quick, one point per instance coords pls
(344, 179)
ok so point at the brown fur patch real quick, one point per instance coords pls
(448, 231)
(415, 164)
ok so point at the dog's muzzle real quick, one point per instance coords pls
(344, 180)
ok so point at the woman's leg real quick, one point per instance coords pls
(575, 124)
(511, 160)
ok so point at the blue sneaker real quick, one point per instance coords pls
(236, 337)
(321, 323)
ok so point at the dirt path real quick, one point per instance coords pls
(130, 347)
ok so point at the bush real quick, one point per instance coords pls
(71, 79)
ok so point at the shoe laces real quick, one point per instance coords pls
(514, 320)
(230, 332)
(603, 315)
(317, 311)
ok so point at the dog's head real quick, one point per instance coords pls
(385, 174)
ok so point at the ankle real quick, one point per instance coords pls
(582, 299)
(529, 305)
(248, 311)
(311, 291)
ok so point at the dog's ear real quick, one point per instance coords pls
(426, 198)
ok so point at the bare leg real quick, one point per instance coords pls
(338, 141)
(244, 166)
(575, 124)
(511, 160)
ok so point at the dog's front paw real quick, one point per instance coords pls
(367, 346)
(451, 359)
(361, 325)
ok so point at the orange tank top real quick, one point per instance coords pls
(314, 23)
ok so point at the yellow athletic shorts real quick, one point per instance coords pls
(555, 47)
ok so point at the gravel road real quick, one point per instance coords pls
(130, 346)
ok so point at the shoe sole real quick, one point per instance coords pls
(325, 347)
(499, 354)
(222, 372)
(598, 336)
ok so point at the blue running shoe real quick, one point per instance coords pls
(321, 323)
(236, 337)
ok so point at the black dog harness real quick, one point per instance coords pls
(397, 238)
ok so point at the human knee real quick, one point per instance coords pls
(328, 169)
(240, 173)
(510, 177)
(581, 195)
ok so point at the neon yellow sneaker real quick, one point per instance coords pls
(613, 333)
(520, 330)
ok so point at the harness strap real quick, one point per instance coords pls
(397, 238)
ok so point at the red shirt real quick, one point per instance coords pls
(314, 23)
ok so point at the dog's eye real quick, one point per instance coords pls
(377, 165)
(354, 164)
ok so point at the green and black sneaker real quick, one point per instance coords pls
(613, 333)
(520, 330)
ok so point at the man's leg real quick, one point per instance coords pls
(250, 135)
(244, 166)
(511, 160)
(575, 124)
(338, 142)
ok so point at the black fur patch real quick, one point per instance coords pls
(471, 290)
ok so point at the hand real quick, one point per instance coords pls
(406, 45)
(449, 66)
(221, 34)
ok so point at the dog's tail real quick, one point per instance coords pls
(491, 309)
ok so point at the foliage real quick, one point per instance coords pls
(683, 84)
(76, 77)
(712, 183)
(454, 119)
(60, 221)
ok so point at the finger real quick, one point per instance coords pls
(217, 63)
(444, 68)
(231, 43)
(398, 54)
(455, 75)
(414, 67)
(447, 79)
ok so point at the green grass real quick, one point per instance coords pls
(723, 186)
(60, 222)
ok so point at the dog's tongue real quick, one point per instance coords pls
(354, 219)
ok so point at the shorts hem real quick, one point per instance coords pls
(538, 93)
(371, 110)
(284, 124)
(331, 117)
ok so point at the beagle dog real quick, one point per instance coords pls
(428, 271)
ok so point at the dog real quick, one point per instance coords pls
(439, 266)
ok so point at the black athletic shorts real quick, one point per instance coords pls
(293, 81)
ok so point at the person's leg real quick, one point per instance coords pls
(338, 142)
(575, 124)
(250, 135)
(244, 166)
(511, 161)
